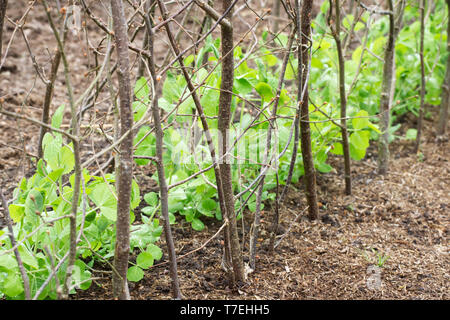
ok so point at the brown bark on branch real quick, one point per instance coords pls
(122, 246)
(163, 188)
(336, 32)
(305, 129)
(3, 4)
(226, 89)
(48, 99)
(422, 76)
(445, 98)
(213, 14)
(386, 91)
(296, 123)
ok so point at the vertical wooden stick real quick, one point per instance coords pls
(422, 76)
(445, 98)
(386, 91)
(305, 129)
(3, 4)
(336, 32)
(122, 246)
(164, 193)
(225, 98)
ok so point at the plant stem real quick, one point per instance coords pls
(445, 98)
(48, 99)
(386, 92)
(257, 218)
(305, 130)
(164, 194)
(23, 272)
(122, 246)
(74, 128)
(422, 76)
(336, 32)
(225, 98)
(3, 5)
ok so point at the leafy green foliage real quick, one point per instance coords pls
(40, 204)
(255, 84)
(47, 195)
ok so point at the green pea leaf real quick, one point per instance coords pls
(374, 127)
(57, 117)
(357, 154)
(139, 109)
(207, 207)
(66, 159)
(103, 198)
(411, 134)
(243, 86)
(188, 60)
(135, 274)
(52, 148)
(172, 219)
(28, 258)
(360, 121)
(291, 69)
(16, 212)
(265, 91)
(324, 168)
(269, 58)
(210, 102)
(155, 251)
(171, 90)
(197, 224)
(338, 149)
(360, 139)
(135, 195)
(12, 286)
(151, 198)
(145, 260)
(34, 204)
(146, 147)
(8, 262)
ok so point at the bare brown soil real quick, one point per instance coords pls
(404, 215)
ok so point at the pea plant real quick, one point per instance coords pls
(223, 120)
(41, 227)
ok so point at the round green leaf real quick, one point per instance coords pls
(411, 134)
(16, 212)
(243, 86)
(197, 225)
(135, 274)
(361, 121)
(265, 91)
(145, 260)
(151, 198)
(13, 286)
(155, 251)
(207, 207)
